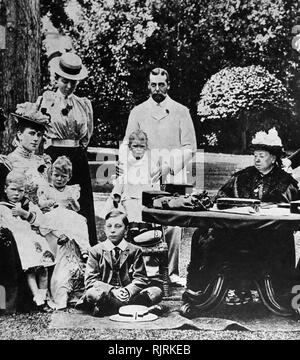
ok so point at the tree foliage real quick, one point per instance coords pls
(121, 40)
(251, 97)
(111, 38)
(55, 9)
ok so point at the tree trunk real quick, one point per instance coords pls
(19, 59)
(244, 130)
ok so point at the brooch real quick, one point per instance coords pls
(66, 110)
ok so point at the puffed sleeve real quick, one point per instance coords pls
(90, 124)
(74, 191)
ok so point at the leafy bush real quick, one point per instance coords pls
(245, 100)
(121, 40)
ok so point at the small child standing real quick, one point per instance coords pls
(138, 167)
(115, 272)
(69, 229)
(18, 214)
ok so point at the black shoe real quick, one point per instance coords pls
(97, 311)
(45, 308)
(193, 297)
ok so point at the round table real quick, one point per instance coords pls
(273, 217)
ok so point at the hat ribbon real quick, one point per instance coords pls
(68, 70)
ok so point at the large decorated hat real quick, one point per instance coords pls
(69, 66)
(133, 313)
(269, 141)
(28, 114)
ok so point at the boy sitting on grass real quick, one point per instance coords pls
(115, 272)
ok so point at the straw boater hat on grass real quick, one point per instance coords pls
(69, 66)
(133, 313)
(28, 114)
(269, 141)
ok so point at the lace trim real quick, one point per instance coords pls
(20, 150)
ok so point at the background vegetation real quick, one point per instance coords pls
(121, 40)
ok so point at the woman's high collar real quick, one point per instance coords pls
(60, 95)
(20, 150)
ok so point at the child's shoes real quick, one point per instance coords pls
(40, 297)
(45, 308)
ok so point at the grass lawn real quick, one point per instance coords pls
(34, 325)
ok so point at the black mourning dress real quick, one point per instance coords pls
(275, 249)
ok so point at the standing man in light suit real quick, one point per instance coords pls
(171, 133)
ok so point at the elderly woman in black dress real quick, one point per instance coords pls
(266, 181)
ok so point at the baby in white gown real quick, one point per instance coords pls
(66, 231)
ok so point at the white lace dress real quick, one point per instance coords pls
(33, 249)
(67, 281)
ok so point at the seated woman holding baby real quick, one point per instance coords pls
(17, 215)
(45, 185)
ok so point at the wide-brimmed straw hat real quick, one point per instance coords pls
(133, 313)
(148, 238)
(269, 141)
(29, 115)
(69, 66)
